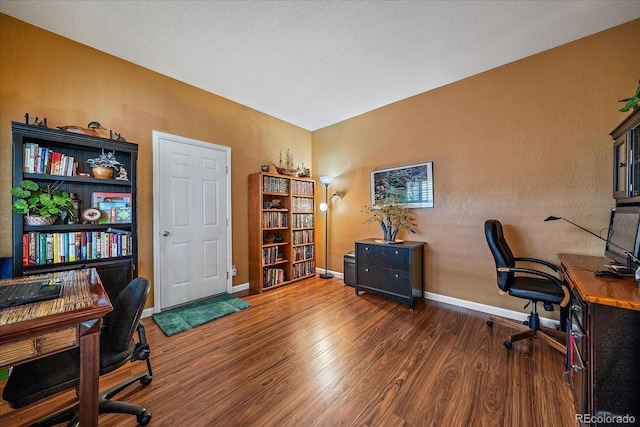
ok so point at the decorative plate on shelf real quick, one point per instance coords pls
(91, 214)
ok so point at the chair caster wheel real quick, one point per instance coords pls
(146, 380)
(490, 323)
(144, 418)
(507, 345)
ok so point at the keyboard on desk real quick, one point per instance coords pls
(28, 292)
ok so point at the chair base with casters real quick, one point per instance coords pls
(531, 329)
(41, 378)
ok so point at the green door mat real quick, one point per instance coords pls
(197, 313)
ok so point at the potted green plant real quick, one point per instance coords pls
(392, 218)
(104, 165)
(633, 102)
(42, 205)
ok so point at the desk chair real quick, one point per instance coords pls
(533, 285)
(41, 378)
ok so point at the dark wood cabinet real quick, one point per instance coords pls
(626, 159)
(393, 270)
(603, 350)
(115, 258)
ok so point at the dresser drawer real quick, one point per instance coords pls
(383, 279)
(385, 256)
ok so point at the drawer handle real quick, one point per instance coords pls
(397, 275)
(366, 269)
(396, 252)
(366, 249)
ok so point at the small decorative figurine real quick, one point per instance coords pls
(91, 129)
(122, 174)
(36, 122)
(116, 136)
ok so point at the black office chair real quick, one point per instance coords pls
(533, 285)
(41, 378)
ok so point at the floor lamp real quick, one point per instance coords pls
(324, 207)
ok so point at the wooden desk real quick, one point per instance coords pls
(603, 340)
(39, 329)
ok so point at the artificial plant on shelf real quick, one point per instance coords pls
(104, 165)
(46, 201)
(392, 218)
(633, 102)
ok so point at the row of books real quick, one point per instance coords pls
(43, 160)
(303, 252)
(302, 220)
(303, 269)
(304, 188)
(273, 276)
(275, 219)
(301, 204)
(272, 184)
(302, 236)
(53, 248)
(271, 255)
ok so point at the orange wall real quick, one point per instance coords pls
(49, 76)
(517, 143)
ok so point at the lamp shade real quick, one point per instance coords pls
(326, 179)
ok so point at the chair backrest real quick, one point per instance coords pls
(501, 252)
(121, 323)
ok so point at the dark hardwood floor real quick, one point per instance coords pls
(314, 354)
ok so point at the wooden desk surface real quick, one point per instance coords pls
(622, 293)
(83, 299)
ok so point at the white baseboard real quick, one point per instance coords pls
(240, 287)
(489, 309)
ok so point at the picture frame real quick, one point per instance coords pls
(410, 185)
(115, 207)
(100, 197)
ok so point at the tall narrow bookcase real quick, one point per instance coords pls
(281, 230)
(109, 244)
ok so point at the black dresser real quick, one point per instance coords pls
(393, 270)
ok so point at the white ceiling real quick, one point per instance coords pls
(316, 63)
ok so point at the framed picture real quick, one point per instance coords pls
(115, 207)
(99, 197)
(411, 185)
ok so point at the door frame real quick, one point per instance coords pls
(157, 135)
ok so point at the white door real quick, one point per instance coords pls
(192, 246)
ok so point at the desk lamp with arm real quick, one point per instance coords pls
(633, 263)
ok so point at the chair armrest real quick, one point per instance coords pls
(539, 261)
(551, 266)
(560, 283)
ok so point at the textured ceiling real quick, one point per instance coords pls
(315, 63)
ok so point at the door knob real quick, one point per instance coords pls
(166, 233)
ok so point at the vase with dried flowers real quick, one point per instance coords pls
(392, 218)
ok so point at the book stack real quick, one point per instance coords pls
(46, 161)
(273, 276)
